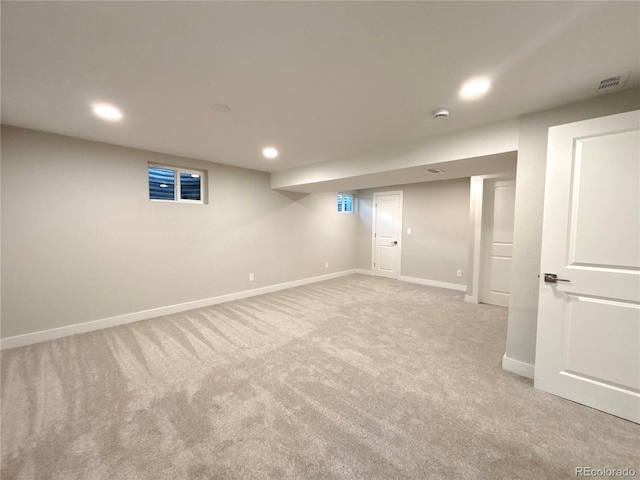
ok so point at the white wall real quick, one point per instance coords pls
(532, 154)
(438, 215)
(81, 241)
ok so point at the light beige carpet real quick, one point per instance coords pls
(358, 377)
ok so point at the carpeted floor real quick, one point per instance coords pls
(358, 377)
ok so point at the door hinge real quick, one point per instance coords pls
(374, 264)
(375, 235)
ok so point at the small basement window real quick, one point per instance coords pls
(346, 203)
(176, 184)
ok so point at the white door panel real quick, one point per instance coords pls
(387, 233)
(504, 208)
(589, 322)
(588, 342)
(606, 201)
(387, 260)
(500, 275)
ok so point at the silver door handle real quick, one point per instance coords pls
(553, 278)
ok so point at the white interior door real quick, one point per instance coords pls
(588, 343)
(497, 232)
(387, 234)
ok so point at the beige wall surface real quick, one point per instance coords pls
(438, 215)
(532, 155)
(81, 241)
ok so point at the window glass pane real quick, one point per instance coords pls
(348, 203)
(339, 203)
(161, 184)
(189, 186)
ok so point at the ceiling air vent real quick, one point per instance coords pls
(612, 84)
(435, 171)
(440, 113)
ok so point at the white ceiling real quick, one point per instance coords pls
(317, 80)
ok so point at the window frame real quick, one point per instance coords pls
(176, 183)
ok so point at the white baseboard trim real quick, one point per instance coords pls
(434, 283)
(362, 271)
(52, 334)
(470, 299)
(518, 367)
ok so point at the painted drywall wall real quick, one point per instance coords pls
(438, 215)
(523, 306)
(81, 241)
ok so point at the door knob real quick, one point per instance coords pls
(395, 242)
(553, 278)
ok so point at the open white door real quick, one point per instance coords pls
(588, 342)
(387, 233)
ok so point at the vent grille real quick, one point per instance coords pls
(611, 84)
(440, 113)
(435, 171)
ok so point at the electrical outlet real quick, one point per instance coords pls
(326, 264)
(409, 231)
(459, 273)
(251, 277)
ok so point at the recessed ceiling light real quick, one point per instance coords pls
(269, 152)
(220, 108)
(107, 112)
(475, 88)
